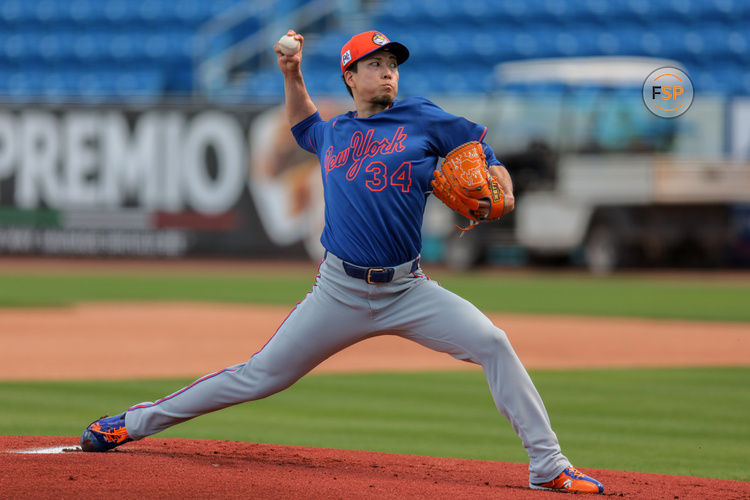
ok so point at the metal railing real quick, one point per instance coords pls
(213, 72)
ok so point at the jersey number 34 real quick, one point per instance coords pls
(378, 177)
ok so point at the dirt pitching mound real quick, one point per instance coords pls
(220, 469)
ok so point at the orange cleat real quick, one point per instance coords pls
(572, 480)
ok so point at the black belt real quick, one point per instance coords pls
(375, 274)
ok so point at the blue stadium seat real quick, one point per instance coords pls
(326, 46)
(51, 46)
(629, 39)
(566, 44)
(480, 77)
(686, 11)
(457, 82)
(706, 81)
(144, 85)
(17, 12)
(181, 44)
(120, 12)
(21, 47)
(476, 13)
(638, 11)
(414, 82)
(449, 48)
(715, 40)
(87, 48)
(696, 46)
(586, 37)
(738, 42)
(516, 11)
(595, 11)
(535, 42)
(556, 12)
(320, 81)
(219, 6)
(56, 86)
(490, 47)
(438, 12)
(48, 12)
(584, 11)
(124, 46)
(265, 85)
(176, 46)
(191, 12)
(86, 12)
(91, 86)
(25, 84)
(666, 40)
(607, 44)
(158, 12)
(395, 14)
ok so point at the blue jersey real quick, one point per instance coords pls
(376, 175)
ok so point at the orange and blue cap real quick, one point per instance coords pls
(368, 42)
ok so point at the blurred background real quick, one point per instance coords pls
(154, 128)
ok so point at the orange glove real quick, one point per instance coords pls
(465, 180)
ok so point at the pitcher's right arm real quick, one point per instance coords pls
(298, 103)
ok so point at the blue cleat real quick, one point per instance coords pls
(105, 434)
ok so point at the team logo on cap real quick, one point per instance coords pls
(379, 39)
(346, 58)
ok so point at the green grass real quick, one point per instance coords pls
(638, 296)
(674, 421)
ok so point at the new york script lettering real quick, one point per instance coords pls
(361, 147)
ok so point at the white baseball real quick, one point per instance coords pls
(288, 45)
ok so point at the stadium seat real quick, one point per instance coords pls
(738, 43)
(85, 12)
(516, 11)
(91, 86)
(137, 85)
(18, 12)
(191, 13)
(629, 40)
(123, 47)
(597, 11)
(437, 12)
(49, 12)
(118, 13)
(265, 85)
(52, 46)
(20, 47)
(155, 12)
(25, 84)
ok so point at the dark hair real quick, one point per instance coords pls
(353, 68)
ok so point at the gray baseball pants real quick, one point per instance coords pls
(342, 310)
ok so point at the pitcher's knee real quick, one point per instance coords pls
(256, 380)
(494, 342)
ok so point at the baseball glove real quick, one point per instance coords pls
(464, 179)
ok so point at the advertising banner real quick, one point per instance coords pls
(161, 181)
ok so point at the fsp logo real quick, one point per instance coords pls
(668, 92)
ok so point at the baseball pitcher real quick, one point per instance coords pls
(378, 165)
